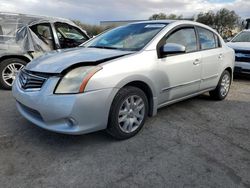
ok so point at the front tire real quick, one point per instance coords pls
(222, 89)
(128, 113)
(9, 68)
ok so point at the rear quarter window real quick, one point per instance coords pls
(208, 40)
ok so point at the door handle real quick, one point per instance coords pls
(220, 56)
(196, 62)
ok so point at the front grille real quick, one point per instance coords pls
(242, 56)
(31, 81)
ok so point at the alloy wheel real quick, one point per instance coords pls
(225, 85)
(10, 72)
(131, 114)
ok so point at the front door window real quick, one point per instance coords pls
(185, 37)
(69, 36)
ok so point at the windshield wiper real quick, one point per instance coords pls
(104, 47)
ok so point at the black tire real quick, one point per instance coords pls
(114, 128)
(3, 65)
(217, 94)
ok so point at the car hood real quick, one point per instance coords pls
(59, 60)
(239, 45)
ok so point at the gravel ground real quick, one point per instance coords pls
(195, 143)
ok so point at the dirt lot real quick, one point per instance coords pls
(195, 143)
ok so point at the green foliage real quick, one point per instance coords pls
(174, 17)
(92, 30)
(207, 18)
(224, 20)
(162, 16)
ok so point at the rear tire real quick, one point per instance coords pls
(128, 113)
(223, 87)
(8, 71)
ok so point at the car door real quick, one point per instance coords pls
(69, 36)
(212, 57)
(182, 72)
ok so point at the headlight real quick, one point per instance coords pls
(76, 80)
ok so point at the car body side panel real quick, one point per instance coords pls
(211, 62)
(228, 58)
(17, 54)
(157, 74)
(182, 76)
(135, 67)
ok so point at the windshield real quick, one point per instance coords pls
(242, 37)
(132, 37)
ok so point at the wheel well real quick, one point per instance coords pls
(229, 69)
(27, 60)
(147, 90)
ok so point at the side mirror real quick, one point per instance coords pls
(172, 48)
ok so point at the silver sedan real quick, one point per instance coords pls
(119, 78)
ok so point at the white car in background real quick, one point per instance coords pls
(241, 45)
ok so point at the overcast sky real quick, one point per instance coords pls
(94, 11)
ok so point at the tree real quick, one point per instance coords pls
(223, 20)
(207, 18)
(226, 20)
(174, 17)
(162, 16)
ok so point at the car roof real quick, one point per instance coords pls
(28, 19)
(167, 21)
(188, 22)
(155, 22)
(174, 21)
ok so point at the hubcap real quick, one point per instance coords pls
(10, 72)
(131, 114)
(225, 85)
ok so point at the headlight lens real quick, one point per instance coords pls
(76, 80)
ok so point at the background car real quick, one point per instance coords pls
(24, 37)
(241, 44)
(246, 23)
(119, 78)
